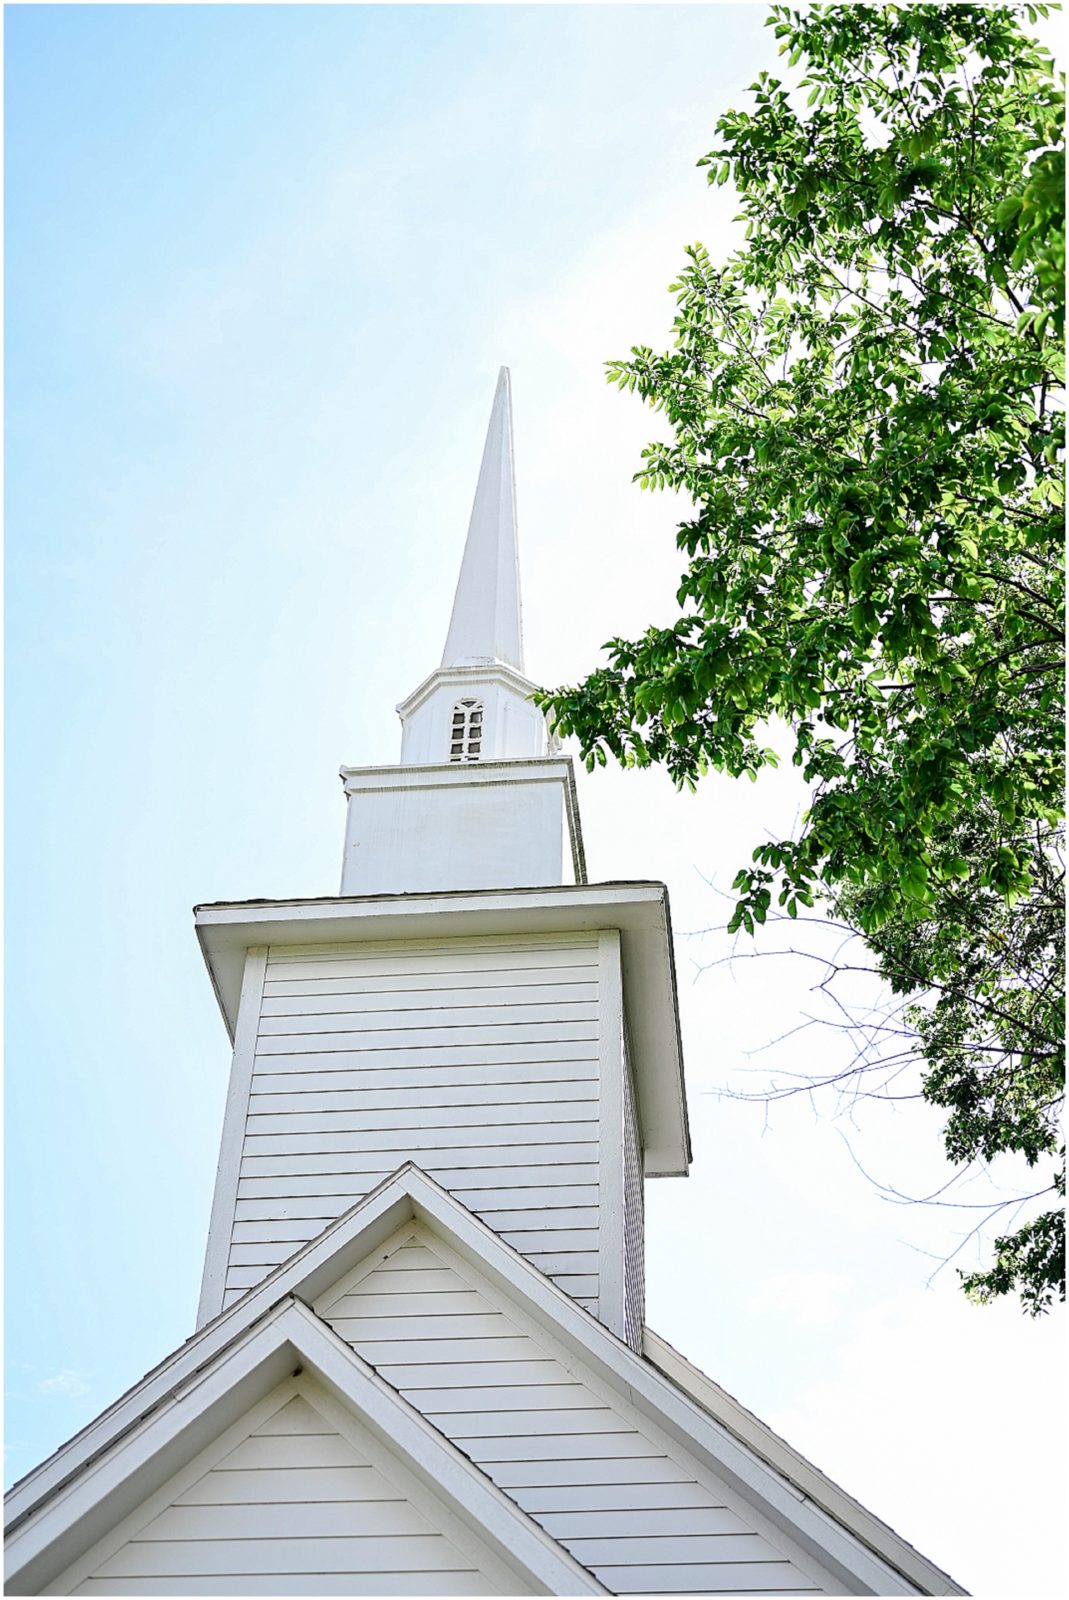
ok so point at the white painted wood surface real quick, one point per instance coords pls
(490, 824)
(213, 1289)
(634, 1213)
(482, 1059)
(621, 1500)
(611, 1191)
(486, 620)
(293, 1508)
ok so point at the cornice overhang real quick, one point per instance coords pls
(640, 912)
(467, 676)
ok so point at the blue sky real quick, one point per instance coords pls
(262, 266)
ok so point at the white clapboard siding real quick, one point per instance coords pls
(513, 1021)
(513, 1004)
(487, 1076)
(498, 1347)
(584, 1438)
(431, 1034)
(294, 1508)
(514, 1226)
(341, 1135)
(446, 1056)
(588, 1469)
(546, 1116)
(411, 1098)
(519, 1219)
(749, 1577)
(474, 1325)
(518, 1374)
(478, 1058)
(559, 1264)
(490, 1156)
(578, 1463)
(609, 1501)
(411, 980)
(482, 1185)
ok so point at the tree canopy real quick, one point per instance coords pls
(864, 406)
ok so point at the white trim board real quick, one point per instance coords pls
(611, 1176)
(228, 1170)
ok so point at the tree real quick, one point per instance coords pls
(864, 410)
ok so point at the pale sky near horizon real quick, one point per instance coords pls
(263, 263)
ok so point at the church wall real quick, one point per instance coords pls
(293, 1507)
(479, 1059)
(620, 1497)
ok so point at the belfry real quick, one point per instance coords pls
(421, 1363)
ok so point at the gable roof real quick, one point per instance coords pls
(198, 1404)
(858, 1550)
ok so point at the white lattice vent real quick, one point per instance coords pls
(467, 735)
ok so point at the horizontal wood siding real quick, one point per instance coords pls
(613, 1496)
(475, 1058)
(293, 1509)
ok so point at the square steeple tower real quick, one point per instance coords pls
(469, 1002)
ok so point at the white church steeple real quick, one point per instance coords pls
(477, 706)
(480, 799)
(486, 625)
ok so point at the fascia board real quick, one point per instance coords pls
(451, 775)
(639, 1383)
(639, 910)
(110, 1486)
(813, 1483)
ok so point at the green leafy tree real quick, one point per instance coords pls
(864, 408)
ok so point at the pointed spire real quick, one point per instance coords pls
(486, 623)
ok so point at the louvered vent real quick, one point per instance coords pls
(467, 736)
